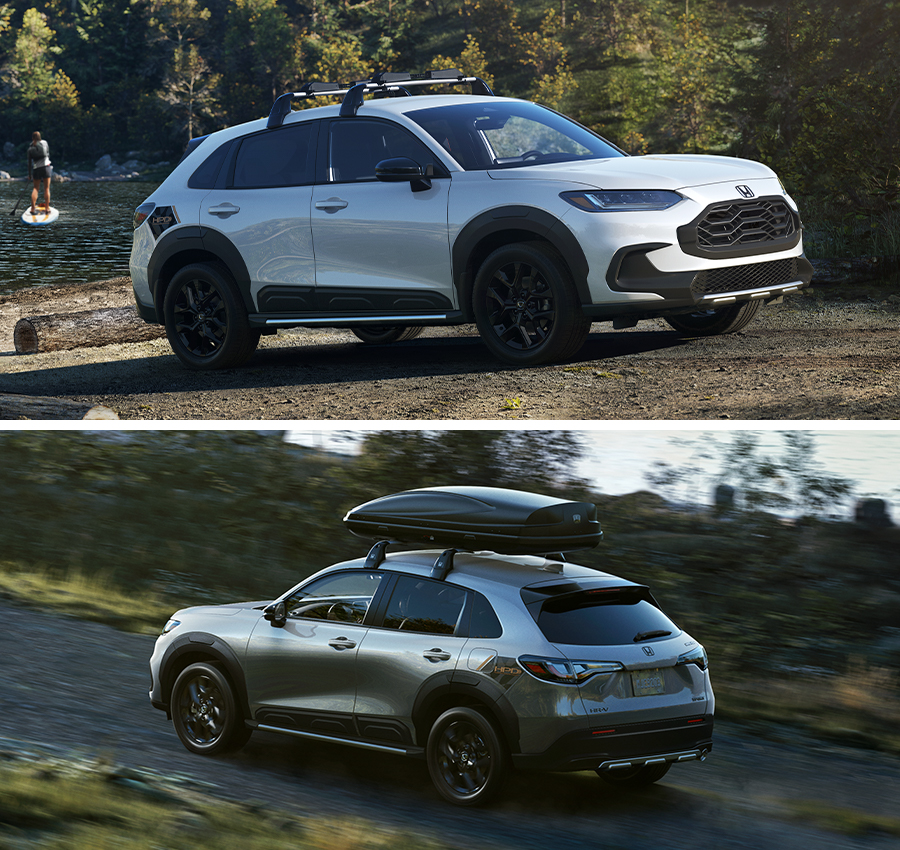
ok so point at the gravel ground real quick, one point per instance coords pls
(832, 352)
(79, 689)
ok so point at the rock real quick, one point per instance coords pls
(105, 163)
(9, 151)
(4, 175)
(135, 165)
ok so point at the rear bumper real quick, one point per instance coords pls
(625, 745)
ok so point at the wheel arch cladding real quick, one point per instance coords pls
(193, 244)
(508, 225)
(451, 690)
(201, 647)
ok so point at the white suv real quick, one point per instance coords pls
(394, 213)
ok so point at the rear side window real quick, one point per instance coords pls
(604, 619)
(283, 157)
(422, 605)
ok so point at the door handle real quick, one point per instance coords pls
(342, 643)
(331, 205)
(436, 654)
(224, 210)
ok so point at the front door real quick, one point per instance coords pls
(379, 247)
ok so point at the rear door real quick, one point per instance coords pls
(416, 641)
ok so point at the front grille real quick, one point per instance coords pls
(742, 224)
(738, 278)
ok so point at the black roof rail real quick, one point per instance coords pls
(384, 82)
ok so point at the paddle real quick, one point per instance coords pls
(13, 210)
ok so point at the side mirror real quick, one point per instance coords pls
(402, 169)
(276, 614)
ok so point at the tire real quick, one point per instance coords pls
(635, 777)
(526, 306)
(380, 335)
(467, 759)
(711, 322)
(206, 322)
(205, 711)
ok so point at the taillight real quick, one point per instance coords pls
(565, 672)
(696, 656)
(142, 213)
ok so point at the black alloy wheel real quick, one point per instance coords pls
(382, 335)
(712, 322)
(466, 757)
(205, 712)
(526, 305)
(206, 323)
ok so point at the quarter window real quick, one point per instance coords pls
(282, 157)
(344, 597)
(421, 605)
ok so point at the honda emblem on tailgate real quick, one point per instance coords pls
(745, 191)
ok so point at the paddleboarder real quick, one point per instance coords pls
(39, 169)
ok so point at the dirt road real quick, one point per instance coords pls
(77, 688)
(823, 354)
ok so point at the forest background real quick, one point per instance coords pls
(811, 87)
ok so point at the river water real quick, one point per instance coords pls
(91, 239)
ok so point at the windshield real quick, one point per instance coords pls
(509, 135)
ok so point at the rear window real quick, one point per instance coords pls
(595, 618)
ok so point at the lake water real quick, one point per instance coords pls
(91, 239)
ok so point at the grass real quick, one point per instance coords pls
(826, 234)
(84, 806)
(846, 821)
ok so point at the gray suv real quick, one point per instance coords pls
(389, 212)
(474, 661)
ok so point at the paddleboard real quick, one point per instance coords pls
(41, 215)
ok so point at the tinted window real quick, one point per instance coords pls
(584, 621)
(421, 605)
(344, 597)
(205, 175)
(356, 147)
(509, 135)
(282, 157)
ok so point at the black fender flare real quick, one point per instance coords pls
(465, 688)
(194, 243)
(205, 647)
(486, 232)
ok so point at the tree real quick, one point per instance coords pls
(30, 72)
(189, 90)
(789, 480)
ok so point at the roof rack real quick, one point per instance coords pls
(386, 82)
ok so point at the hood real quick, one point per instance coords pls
(672, 171)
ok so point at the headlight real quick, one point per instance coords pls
(169, 626)
(619, 201)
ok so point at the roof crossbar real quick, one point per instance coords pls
(385, 82)
(377, 554)
(443, 565)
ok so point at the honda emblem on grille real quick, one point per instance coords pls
(745, 191)
(648, 650)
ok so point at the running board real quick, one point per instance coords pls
(416, 752)
(344, 321)
(640, 761)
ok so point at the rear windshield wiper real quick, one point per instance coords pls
(647, 635)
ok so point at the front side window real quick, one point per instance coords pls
(356, 146)
(422, 605)
(282, 157)
(509, 135)
(343, 597)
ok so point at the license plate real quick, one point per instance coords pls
(648, 682)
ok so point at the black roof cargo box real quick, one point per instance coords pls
(510, 522)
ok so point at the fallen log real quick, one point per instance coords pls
(64, 331)
(44, 407)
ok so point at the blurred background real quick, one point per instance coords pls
(776, 549)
